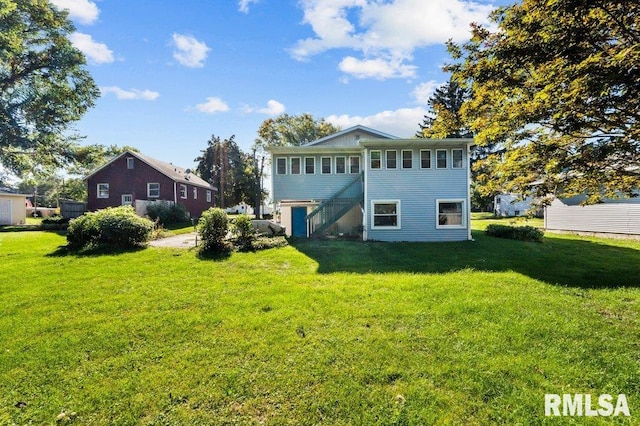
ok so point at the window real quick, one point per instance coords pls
(354, 164)
(325, 165)
(375, 159)
(129, 162)
(441, 158)
(309, 165)
(341, 165)
(183, 191)
(281, 166)
(295, 166)
(103, 190)
(456, 158)
(450, 214)
(195, 193)
(208, 196)
(425, 158)
(385, 214)
(392, 159)
(153, 190)
(127, 199)
(407, 159)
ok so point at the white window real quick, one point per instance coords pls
(450, 214)
(385, 214)
(127, 199)
(103, 190)
(195, 193)
(392, 159)
(281, 166)
(441, 158)
(456, 158)
(407, 159)
(129, 162)
(326, 165)
(183, 191)
(375, 158)
(208, 196)
(341, 165)
(354, 164)
(295, 166)
(153, 190)
(309, 165)
(425, 158)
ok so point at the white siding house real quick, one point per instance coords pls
(364, 182)
(13, 208)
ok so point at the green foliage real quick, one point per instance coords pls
(558, 85)
(293, 130)
(44, 86)
(55, 223)
(521, 233)
(166, 213)
(213, 227)
(444, 119)
(244, 232)
(114, 226)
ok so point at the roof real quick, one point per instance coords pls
(11, 194)
(175, 173)
(352, 129)
(418, 142)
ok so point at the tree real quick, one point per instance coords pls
(558, 84)
(444, 119)
(292, 130)
(44, 86)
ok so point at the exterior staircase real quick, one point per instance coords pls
(329, 211)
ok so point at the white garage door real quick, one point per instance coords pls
(5, 212)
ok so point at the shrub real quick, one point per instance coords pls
(213, 227)
(244, 232)
(166, 213)
(115, 226)
(521, 233)
(55, 222)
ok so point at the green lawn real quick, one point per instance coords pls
(320, 332)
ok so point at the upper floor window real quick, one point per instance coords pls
(456, 158)
(354, 164)
(103, 190)
(129, 162)
(295, 166)
(425, 158)
(208, 196)
(341, 166)
(375, 159)
(392, 159)
(153, 190)
(441, 158)
(309, 165)
(281, 166)
(195, 193)
(407, 159)
(183, 191)
(325, 165)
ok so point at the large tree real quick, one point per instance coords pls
(289, 130)
(558, 83)
(444, 119)
(44, 86)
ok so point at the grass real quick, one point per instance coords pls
(319, 332)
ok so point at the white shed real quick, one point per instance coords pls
(13, 209)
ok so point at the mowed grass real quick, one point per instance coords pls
(321, 332)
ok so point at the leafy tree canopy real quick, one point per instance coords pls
(558, 84)
(291, 130)
(444, 119)
(44, 86)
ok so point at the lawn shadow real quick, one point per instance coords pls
(94, 251)
(558, 260)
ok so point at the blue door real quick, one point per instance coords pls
(298, 221)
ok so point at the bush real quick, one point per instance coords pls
(244, 232)
(521, 233)
(213, 227)
(166, 213)
(55, 223)
(115, 226)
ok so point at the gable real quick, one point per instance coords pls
(350, 137)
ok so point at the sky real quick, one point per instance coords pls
(173, 73)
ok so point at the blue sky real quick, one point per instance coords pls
(173, 73)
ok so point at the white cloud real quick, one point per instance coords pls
(131, 94)
(83, 11)
(389, 30)
(243, 5)
(378, 68)
(189, 51)
(97, 53)
(403, 122)
(423, 91)
(273, 108)
(212, 105)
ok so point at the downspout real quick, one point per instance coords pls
(175, 193)
(365, 211)
(469, 191)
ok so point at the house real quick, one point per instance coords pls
(509, 205)
(13, 208)
(619, 217)
(135, 179)
(363, 182)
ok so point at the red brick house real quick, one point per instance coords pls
(135, 179)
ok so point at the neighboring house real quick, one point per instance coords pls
(614, 217)
(363, 182)
(137, 180)
(12, 208)
(508, 205)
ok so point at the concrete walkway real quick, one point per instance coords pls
(177, 241)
